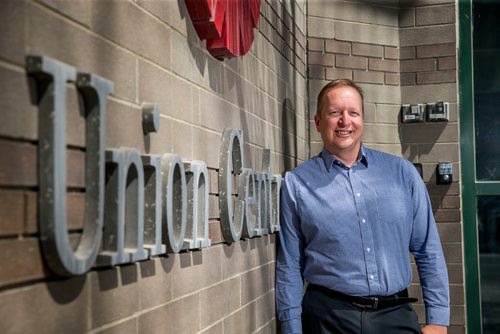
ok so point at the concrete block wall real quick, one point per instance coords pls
(358, 41)
(151, 52)
(400, 52)
(428, 58)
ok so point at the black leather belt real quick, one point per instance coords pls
(374, 303)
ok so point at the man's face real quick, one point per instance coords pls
(340, 122)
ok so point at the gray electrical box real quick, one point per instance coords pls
(438, 112)
(412, 113)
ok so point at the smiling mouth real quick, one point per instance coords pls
(343, 132)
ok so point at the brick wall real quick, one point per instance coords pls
(428, 74)
(400, 52)
(357, 41)
(151, 52)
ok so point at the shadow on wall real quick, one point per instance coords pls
(289, 134)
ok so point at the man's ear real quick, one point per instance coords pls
(317, 119)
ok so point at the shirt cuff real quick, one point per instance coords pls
(292, 326)
(437, 316)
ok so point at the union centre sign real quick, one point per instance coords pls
(136, 205)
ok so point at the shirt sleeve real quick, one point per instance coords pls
(428, 253)
(289, 262)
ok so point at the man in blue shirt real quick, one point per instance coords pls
(349, 218)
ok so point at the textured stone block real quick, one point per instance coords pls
(406, 17)
(450, 232)
(387, 113)
(320, 28)
(436, 77)
(338, 73)
(392, 79)
(256, 283)
(124, 327)
(237, 257)
(317, 58)
(19, 116)
(427, 35)
(124, 126)
(439, 152)
(266, 311)
(391, 52)
(54, 307)
(383, 65)
(437, 50)
(53, 36)
(448, 215)
(180, 316)
(408, 79)
(352, 62)
(218, 301)
(334, 46)
(369, 50)
(21, 261)
(159, 86)
(183, 140)
(111, 287)
(416, 65)
(242, 321)
(356, 32)
(316, 72)
(381, 134)
(195, 270)
(215, 329)
(12, 23)
(455, 273)
(19, 169)
(356, 12)
(369, 110)
(316, 44)
(407, 52)
(430, 133)
(452, 252)
(435, 15)
(447, 63)
(78, 10)
(135, 29)
(369, 77)
(155, 283)
(381, 94)
(432, 92)
(12, 211)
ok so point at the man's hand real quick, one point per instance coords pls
(434, 329)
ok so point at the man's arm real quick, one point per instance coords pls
(289, 262)
(429, 258)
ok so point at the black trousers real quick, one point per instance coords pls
(322, 314)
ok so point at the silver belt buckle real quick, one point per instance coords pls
(374, 306)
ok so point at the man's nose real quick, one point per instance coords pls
(344, 118)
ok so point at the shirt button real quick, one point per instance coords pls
(368, 249)
(372, 277)
(363, 220)
(358, 194)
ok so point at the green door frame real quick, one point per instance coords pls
(470, 187)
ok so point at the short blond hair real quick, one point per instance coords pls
(335, 84)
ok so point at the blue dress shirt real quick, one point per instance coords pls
(351, 230)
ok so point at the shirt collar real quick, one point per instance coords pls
(330, 159)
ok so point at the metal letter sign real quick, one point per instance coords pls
(136, 206)
(227, 25)
(50, 77)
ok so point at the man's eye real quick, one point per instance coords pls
(334, 113)
(354, 113)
